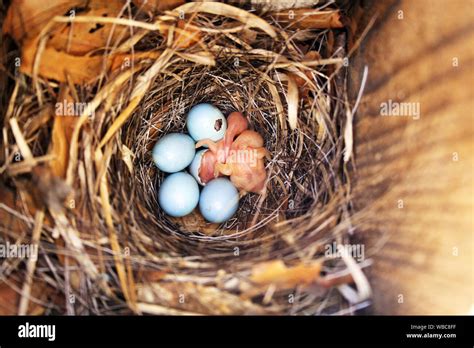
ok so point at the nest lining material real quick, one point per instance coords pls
(116, 241)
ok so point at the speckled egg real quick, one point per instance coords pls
(205, 121)
(219, 200)
(178, 194)
(173, 152)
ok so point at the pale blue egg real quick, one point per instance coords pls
(173, 152)
(178, 194)
(205, 121)
(196, 164)
(219, 200)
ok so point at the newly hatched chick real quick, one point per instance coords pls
(236, 124)
(245, 163)
(241, 158)
(208, 163)
(218, 152)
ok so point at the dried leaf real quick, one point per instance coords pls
(60, 66)
(10, 298)
(79, 38)
(57, 65)
(63, 128)
(276, 272)
(63, 55)
(26, 18)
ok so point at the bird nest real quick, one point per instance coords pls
(83, 187)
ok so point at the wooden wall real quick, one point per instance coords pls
(414, 180)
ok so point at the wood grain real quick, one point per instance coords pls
(423, 251)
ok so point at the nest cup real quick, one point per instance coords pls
(296, 155)
(307, 201)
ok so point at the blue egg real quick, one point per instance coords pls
(173, 152)
(178, 194)
(219, 200)
(205, 121)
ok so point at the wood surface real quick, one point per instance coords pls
(413, 187)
